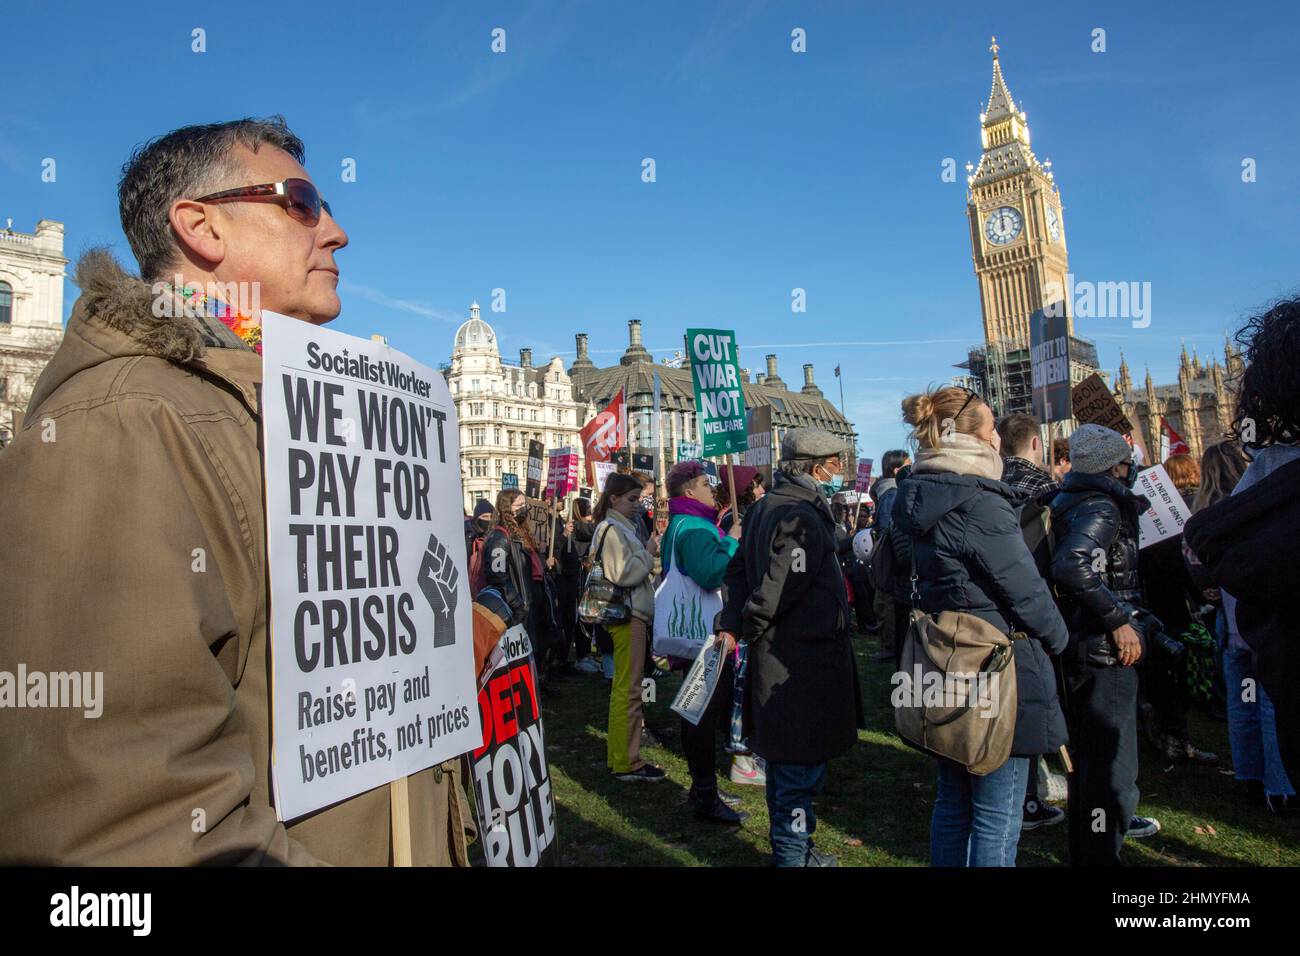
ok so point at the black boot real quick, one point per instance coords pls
(708, 806)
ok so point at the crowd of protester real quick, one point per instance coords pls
(158, 443)
(1112, 643)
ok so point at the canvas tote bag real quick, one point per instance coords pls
(684, 612)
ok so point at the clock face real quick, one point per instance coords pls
(1053, 224)
(1002, 225)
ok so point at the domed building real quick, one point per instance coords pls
(502, 406)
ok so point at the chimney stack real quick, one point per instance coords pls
(773, 380)
(526, 358)
(635, 350)
(809, 386)
(582, 361)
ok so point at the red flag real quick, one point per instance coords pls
(604, 434)
(1176, 444)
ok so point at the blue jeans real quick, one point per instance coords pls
(976, 820)
(790, 791)
(1252, 726)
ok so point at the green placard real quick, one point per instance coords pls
(719, 400)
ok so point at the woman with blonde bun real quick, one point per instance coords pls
(969, 555)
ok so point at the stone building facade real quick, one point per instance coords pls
(31, 314)
(634, 373)
(501, 406)
(1199, 406)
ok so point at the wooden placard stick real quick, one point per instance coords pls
(731, 486)
(399, 801)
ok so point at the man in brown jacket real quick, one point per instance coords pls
(134, 540)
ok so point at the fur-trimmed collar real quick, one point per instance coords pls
(113, 297)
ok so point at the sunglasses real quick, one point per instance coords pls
(298, 197)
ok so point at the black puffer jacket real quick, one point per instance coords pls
(506, 568)
(1095, 564)
(785, 595)
(970, 556)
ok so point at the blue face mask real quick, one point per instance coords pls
(829, 488)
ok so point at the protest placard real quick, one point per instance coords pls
(509, 481)
(863, 480)
(758, 441)
(372, 655)
(533, 474)
(1049, 350)
(719, 401)
(1168, 512)
(1094, 404)
(537, 518)
(561, 472)
(689, 451)
(603, 470)
(515, 804)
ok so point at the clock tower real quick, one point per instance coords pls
(1017, 232)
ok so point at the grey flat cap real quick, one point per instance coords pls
(811, 443)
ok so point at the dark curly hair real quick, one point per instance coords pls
(1268, 401)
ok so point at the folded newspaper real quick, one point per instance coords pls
(701, 681)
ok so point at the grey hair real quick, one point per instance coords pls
(185, 164)
(794, 467)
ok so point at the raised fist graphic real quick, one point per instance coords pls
(438, 581)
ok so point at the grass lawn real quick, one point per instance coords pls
(875, 810)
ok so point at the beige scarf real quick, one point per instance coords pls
(961, 454)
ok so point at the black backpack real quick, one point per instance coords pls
(883, 565)
(1040, 537)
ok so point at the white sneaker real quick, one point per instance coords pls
(749, 770)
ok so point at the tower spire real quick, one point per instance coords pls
(1000, 104)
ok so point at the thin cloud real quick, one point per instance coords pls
(401, 305)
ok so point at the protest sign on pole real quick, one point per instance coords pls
(561, 472)
(1049, 351)
(1094, 404)
(643, 463)
(509, 481)
(1168, 512)
(515, 805)
(863, 480)
(689, 451)
(537, 518)
(758, 441)
(533, 475)
(719, 401)
(603, 470)
(371, 637)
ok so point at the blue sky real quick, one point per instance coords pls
(775, 170)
